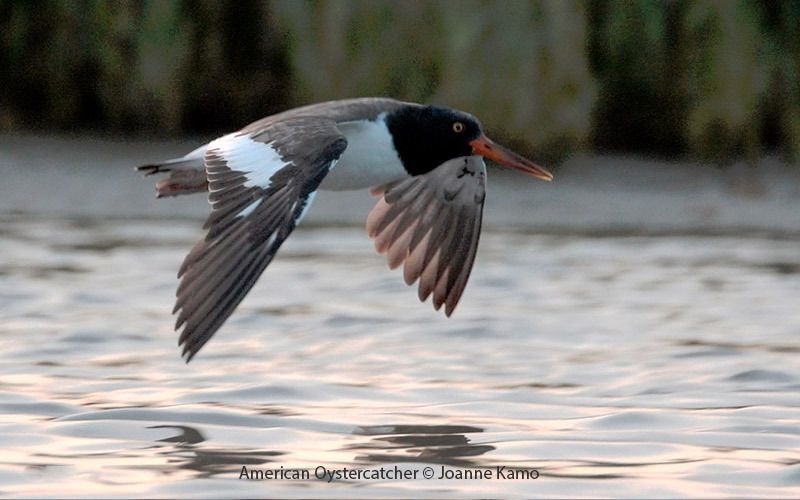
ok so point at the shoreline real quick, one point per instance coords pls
(62, 176)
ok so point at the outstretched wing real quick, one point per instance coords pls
(261, 183)
(432, 222)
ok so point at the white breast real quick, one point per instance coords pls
(369, 160)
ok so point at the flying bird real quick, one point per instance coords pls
(425, 163)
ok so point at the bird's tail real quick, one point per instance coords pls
(187, 174)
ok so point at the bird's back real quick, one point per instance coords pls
(344, 110)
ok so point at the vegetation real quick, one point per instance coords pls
(710, 79)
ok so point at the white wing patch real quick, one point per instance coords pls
(257, 160)
(309, 200)
(249, 208)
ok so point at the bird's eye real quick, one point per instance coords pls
(458, 127)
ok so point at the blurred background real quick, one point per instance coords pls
(717, 80)
(629, 329)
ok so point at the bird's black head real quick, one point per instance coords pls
(427, 136)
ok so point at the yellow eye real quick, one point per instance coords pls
(458, 127)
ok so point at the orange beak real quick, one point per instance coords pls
(485, 147)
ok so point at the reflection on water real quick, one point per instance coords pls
(206, 462)
(612, 365)
(435, 444)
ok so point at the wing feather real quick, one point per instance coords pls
(431, 224)
(259, 186)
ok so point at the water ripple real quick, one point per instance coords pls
(612, 365)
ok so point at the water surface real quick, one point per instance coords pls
(614, 366)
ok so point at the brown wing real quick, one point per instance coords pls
(260, 187)
(432, 222)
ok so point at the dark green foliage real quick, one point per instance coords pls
(638, 57)
(152, 65)
(237, 69)
(712, 79)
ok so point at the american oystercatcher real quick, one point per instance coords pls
(424, 162)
